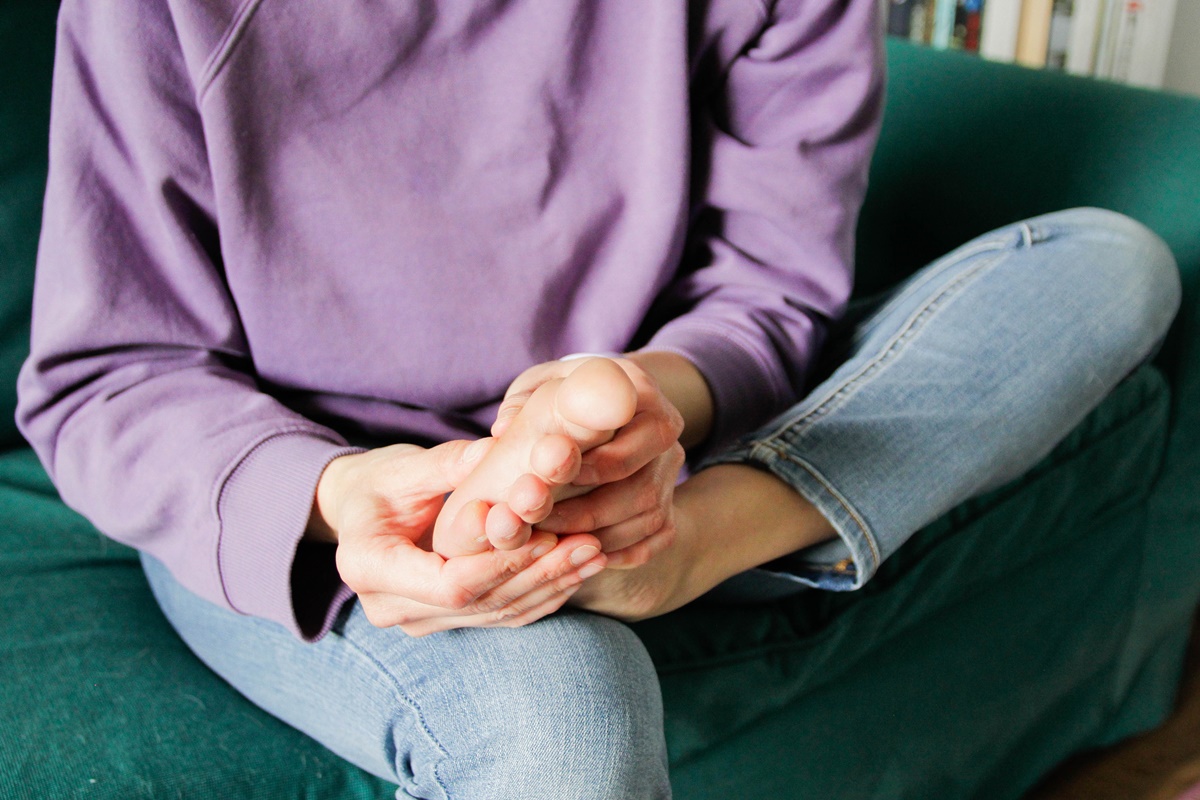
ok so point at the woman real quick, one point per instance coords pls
(279, 239)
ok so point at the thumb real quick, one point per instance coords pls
(451, 462)
(508, 411)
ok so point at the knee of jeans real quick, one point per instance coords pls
(567, 707)
(1129, 281)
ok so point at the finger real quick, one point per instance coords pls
(544, 609)
(509, 408)
(440, 469)
(645, 438)
(402, 569)
(575, 559)
(613, 503)
(506, 530)
(483, 572)
(572, 561)
(631, 531)
(639, 553)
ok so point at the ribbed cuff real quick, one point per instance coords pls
(748, 386)
(264, 507)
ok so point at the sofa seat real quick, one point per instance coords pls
(102, 699)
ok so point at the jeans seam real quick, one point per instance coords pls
(928, 276)
(839, 395)
(413, 705)
(851, 512)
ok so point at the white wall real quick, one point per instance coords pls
(1183, 63)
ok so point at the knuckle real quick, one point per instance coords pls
(455, 597)
(506, 615)
(657, 519)
(587, 520)
(647, 497)
(635, 555)
(677, 455)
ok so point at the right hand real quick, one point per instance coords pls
(379, 507)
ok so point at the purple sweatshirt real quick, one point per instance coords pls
(273, 228)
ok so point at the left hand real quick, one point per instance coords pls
(634, 474)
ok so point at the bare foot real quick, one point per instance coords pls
(728, 519)
(561, 420)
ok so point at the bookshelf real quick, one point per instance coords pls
(1148, 43)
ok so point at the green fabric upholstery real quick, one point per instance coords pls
(1045, 617)
(27, 52)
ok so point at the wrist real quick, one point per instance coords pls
(682, 383)
(322, 520)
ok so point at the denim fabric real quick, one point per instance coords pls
(958, 381)
(566, 708)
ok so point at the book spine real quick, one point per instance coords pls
(1033, 33)
(998, 34)
(1060, 35)
(899, 17)
(973, 11)
(943, 23)
(916, 29)
(1106, 45)
(1085, 31)
(1127, 26)
(1151, 43)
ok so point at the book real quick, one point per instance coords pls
(1129, 19)
(899, 16)
(1106, 43)
(1151, 43)
(1060, 35)
(973, 19)
(943, 23)
(998, 33)
(1085, 31)
(1033, 32)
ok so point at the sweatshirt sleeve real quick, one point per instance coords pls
(783, 145)
(139, 394)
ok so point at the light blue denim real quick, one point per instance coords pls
(959, 381)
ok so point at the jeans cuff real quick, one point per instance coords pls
(842, 564)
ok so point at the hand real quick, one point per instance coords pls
(379, 507)
(629, 509)
(713, 542)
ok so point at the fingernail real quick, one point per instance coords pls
(589, 571)
(587, 475)
(542, 549)
(584, 554)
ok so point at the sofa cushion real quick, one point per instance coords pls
(101, 699)
(818, 696)
(1012, 632)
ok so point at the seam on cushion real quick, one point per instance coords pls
(224, 49)
(1051, 466)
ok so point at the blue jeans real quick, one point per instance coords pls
(960, 380)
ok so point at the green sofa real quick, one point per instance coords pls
(1044, 618)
